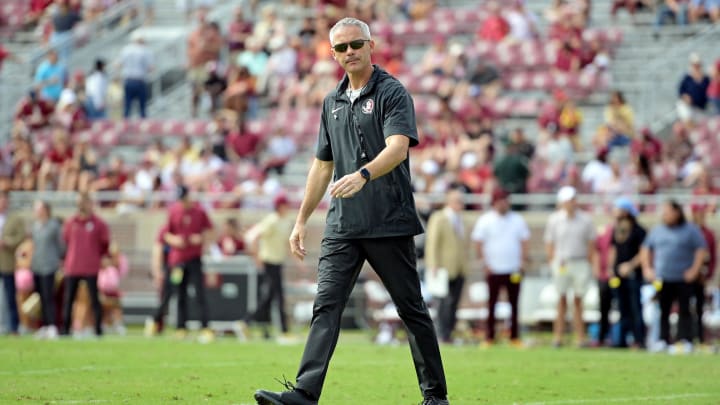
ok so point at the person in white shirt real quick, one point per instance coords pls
(570, 247)
(96, 89)
(523, 23)
(502, 240)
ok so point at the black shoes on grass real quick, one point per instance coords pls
(292, 396)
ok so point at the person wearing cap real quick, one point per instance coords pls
(502, 239)
(367, 127)
(87, 238)
(268, 244)
(627, 239)
(446, 247)
(570, 247)
(707, 271)
(672, 256)
(188, 230)
(136, 62)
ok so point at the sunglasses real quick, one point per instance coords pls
(356, 44)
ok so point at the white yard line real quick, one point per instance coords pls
(58, 370)
(670, 397)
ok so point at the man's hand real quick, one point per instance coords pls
(690, 275)
(625, 269)
(348, 185)
(175, 241)
(297, 241)
(158, 279)
(196, 239)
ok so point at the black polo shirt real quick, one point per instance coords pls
(353, 134)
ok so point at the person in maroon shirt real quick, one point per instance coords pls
(34, 112)
(244, 143)
(188, 229)
(699, 212)
(87, 238)
(231, 241)
(495, 28)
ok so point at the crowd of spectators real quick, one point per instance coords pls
(264, 59)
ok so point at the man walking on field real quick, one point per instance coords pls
(367, 126)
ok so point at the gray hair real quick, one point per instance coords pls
(350, 22)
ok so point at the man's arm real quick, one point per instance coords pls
(593, 258)
(394, 153)
(318, 179)
(646, 261)
(693, 272)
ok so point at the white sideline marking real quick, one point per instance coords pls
(619, 400)
(113, 368)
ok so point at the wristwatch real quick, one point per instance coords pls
(365, 173)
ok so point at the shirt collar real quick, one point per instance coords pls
(369, 86)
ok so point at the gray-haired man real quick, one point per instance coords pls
(367, 126)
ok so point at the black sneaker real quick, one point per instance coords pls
(292, 396)
(435, 401)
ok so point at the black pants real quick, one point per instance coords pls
(45, 287)
(192, 273)
(699, 294)
(447, 310)
(71, 287)
(393, 259)
(631, 316)
(495, 282)
(166, 292)
(271, 290)
(606, 296)
(671, 292)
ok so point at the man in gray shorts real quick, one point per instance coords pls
(570, 247)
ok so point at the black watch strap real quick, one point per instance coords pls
(365, 173)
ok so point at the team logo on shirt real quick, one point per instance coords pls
(89, 226)
(367, 106)
(186, 220)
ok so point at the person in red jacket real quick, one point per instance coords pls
(699, 212)
(87, 238)
(188, 230)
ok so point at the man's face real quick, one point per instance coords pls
(352, 60)
(85, 205)
(669, 216)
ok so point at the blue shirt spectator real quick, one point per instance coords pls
(673, 249)
(50, 77)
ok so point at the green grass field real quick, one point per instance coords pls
(136, 370)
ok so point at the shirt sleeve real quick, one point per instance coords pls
(207, 223)
(324, 149)
(524, 230)
(549, 236)
(649, 241)
(478, 232)
(399, 115)
(697, 238)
